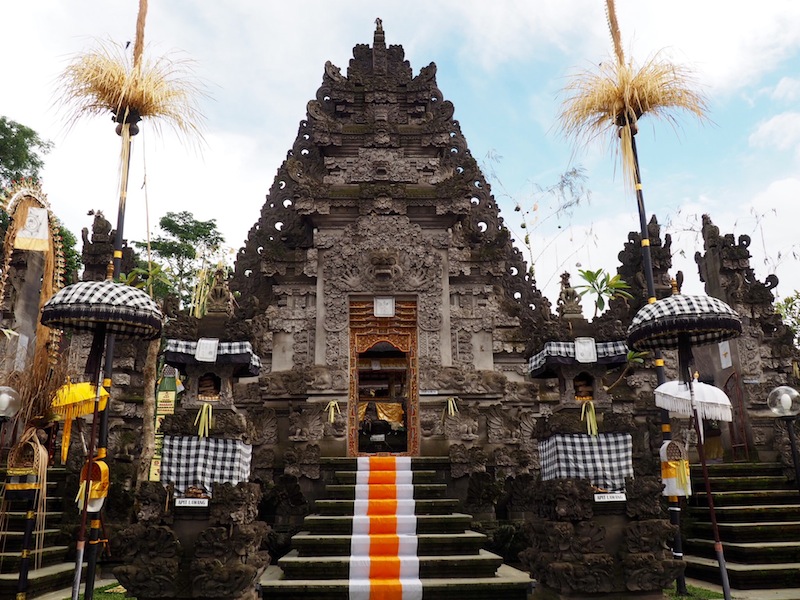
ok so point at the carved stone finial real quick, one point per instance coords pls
(569, 301)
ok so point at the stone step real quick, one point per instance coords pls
(739, 469)
(742, 484)
(745, 576)
(349, 477)
(429, 544)
(778, 531)
(432, 506)
(763, 553)
(747, 498)
(507, 584)
(418, 463)
(13, 539)
(9, 561)
(40, 581)
(427, 523)
(756, 512)
(483, 564)
(420, 490)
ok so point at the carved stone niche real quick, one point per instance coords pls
(208, 383)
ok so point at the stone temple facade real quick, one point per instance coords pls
(380, 274)
(392, 314)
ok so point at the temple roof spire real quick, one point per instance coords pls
(379, 48)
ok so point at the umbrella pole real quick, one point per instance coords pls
(661, 376)
(81, 543)
(108, 363)
(723, 571)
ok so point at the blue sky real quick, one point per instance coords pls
(502, 64)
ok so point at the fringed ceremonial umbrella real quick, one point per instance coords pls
(680, 322)
(104, 308)
(711, 403)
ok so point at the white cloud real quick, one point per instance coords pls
(787, 90)
(781, 132)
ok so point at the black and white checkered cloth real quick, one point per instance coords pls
(182, 352)
(564, 353)
(705, 320)
(83, 306)
(605, 459)
(199, 462)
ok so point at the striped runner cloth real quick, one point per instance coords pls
(383, 553)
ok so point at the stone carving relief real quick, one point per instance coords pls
(306, 424)
(430, 423)
(462, 425)
(302, 462)
(464, 461)
(262, 426)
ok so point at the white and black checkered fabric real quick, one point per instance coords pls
(605, 459)
(705, 320)
(566, 350)
(123, 309)
(182, 352)
(200, 462)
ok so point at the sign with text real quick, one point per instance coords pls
(191, 502)
(610, 497)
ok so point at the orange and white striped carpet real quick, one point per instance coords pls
(383, 553)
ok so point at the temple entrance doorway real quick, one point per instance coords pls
(382, 400)
(383, 416)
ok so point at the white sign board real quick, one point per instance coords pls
(191, 502)
(610, 497)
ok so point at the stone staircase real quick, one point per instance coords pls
(55, 572)
(452, 563)
(758, 515)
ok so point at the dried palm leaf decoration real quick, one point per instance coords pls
(108, 79)
(610, 100)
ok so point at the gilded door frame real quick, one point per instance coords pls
(400, 331)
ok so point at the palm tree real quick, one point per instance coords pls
(608, 102)
(132, 88)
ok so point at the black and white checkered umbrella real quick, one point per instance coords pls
(88, 305)
(680, 319)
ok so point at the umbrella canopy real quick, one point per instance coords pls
(712, 402)
(88, 305)
(677, 319)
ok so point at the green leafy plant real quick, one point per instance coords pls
(789, 310)
(633, 359)
(603, 286)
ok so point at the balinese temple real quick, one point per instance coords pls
(380, 403)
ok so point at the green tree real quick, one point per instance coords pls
(21, 151)
(604, 287)
(21, 156)
(184, 247)
(789, 310)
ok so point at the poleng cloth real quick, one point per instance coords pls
(605, 459)
(182, 352)
(200, 462)
(563, 353)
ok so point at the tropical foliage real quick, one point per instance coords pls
(603, 286)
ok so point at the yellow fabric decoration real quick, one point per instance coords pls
(333, 409)
(203, 420)
(588, 414)
(450, 408)
(681, 472)
(387, 411)
(73, 400)
(390, 411)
